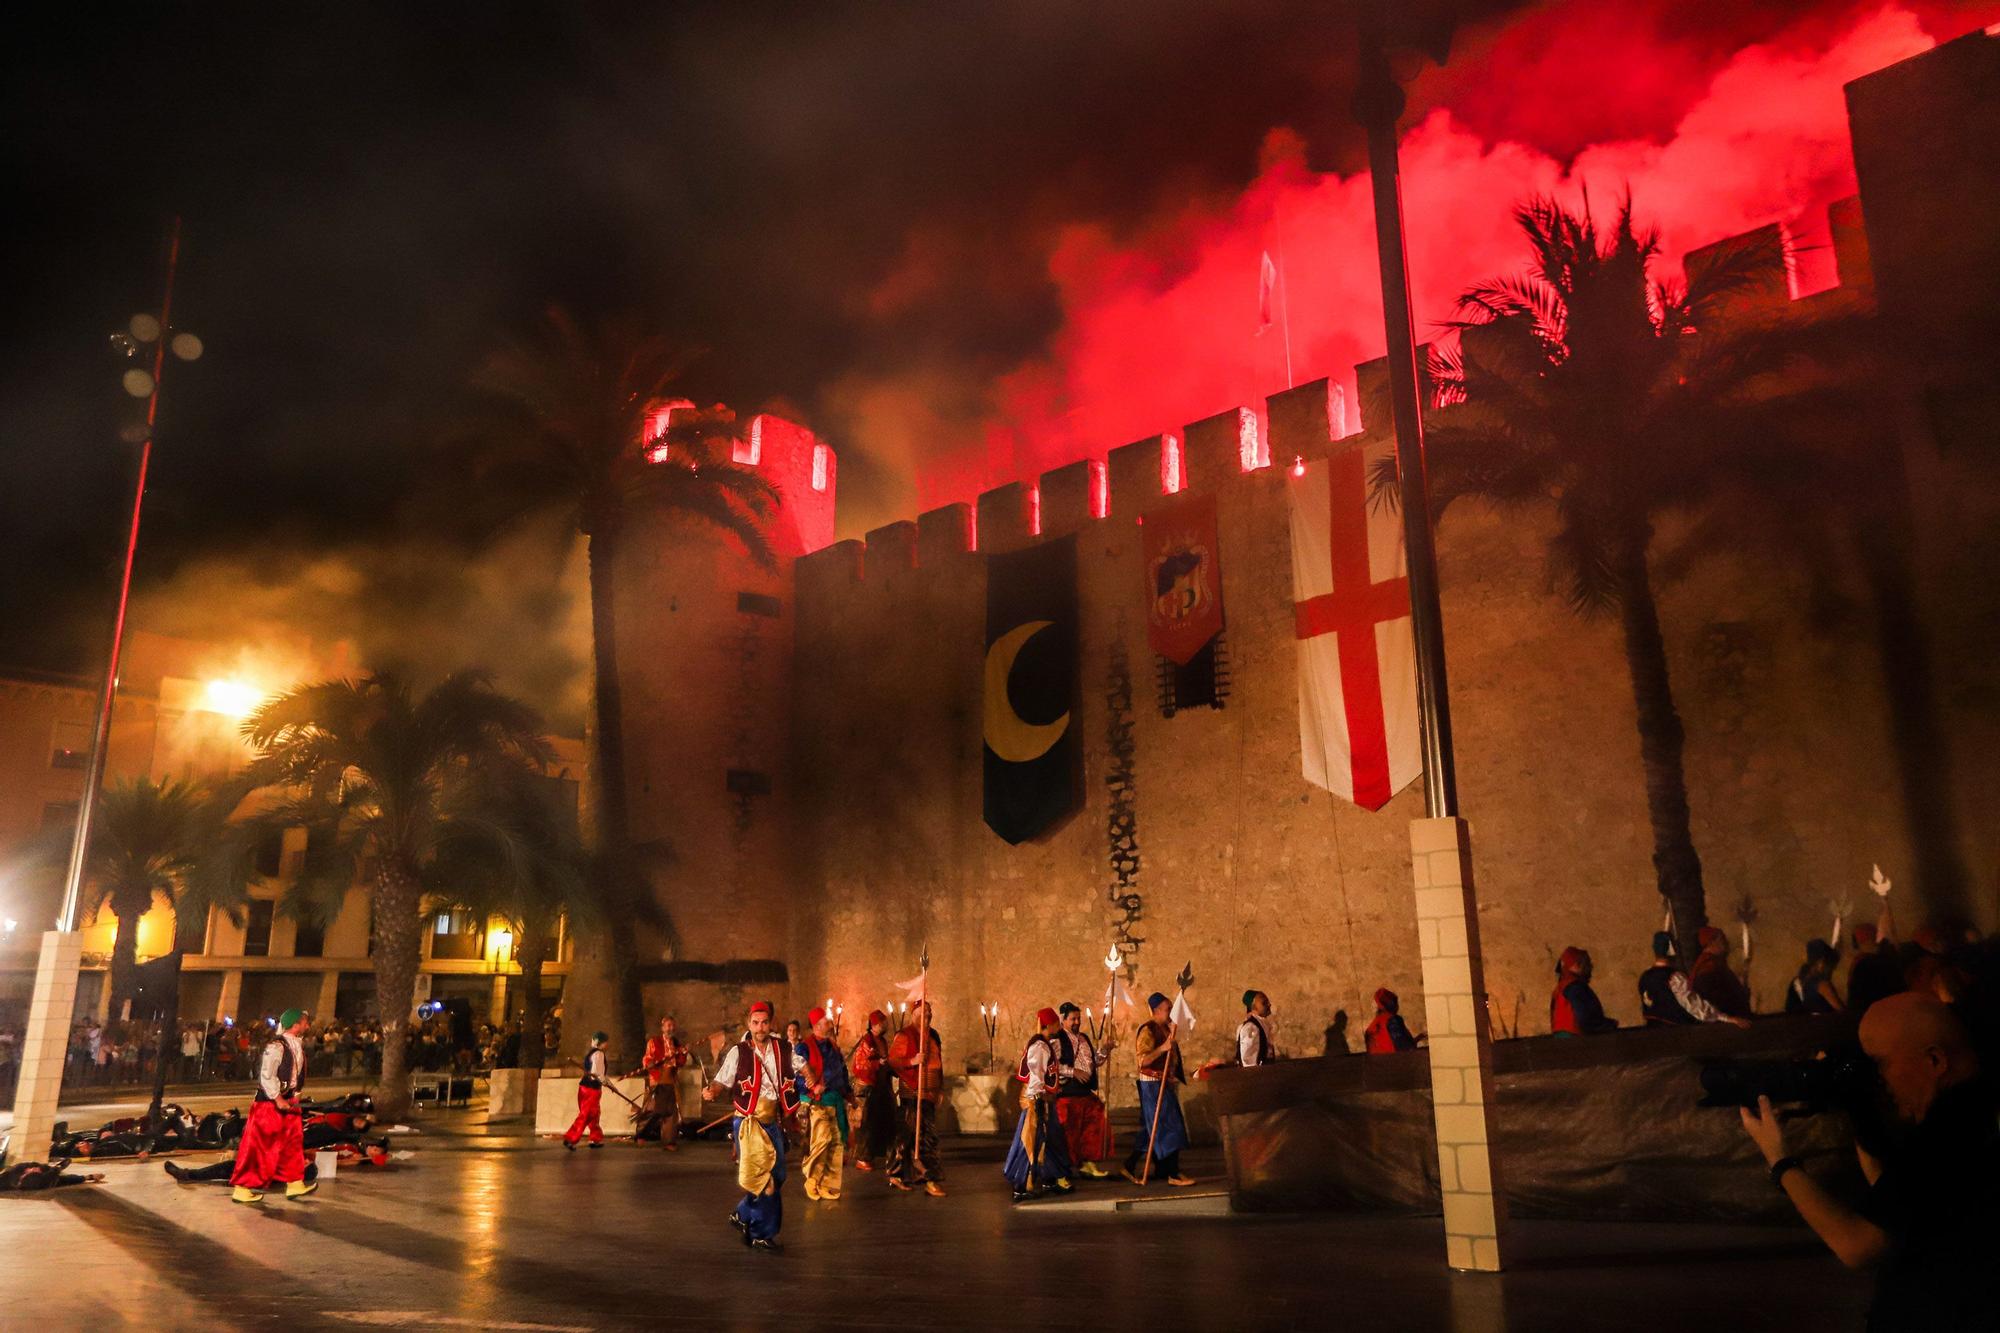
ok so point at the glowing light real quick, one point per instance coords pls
(1034, 502)
(232, 698)
(11, 923)
(750, 450)
(1249, 441)
(819, 467)
(1100, 489)
(498, 941)
(1170, 464)
(1298, 466)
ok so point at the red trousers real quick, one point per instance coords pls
(1086, 1128)
(588, 1102)
(273, 1151)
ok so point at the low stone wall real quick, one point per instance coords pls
(555, 1104)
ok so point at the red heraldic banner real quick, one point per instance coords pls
(1358, 728)
(1183, 578)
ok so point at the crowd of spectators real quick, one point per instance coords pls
(123, 1054)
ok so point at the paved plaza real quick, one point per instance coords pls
(488, 1227)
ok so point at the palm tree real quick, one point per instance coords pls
(532, 880)
(381, 777)
(594, 432)
(148, 846)
(1590, 389)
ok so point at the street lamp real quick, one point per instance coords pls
(44, 1044)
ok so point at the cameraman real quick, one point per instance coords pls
(1931, 1218)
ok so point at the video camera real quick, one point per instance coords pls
(1839, 1079)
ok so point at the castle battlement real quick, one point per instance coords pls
(1301, 423)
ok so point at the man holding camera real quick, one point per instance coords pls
(1930, 1221)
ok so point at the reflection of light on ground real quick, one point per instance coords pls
(482, 1203)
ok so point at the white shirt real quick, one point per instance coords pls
(1039, 1059)
(267, 1068)
(767, 1058)
(1083, 1057)
(1246, 1039)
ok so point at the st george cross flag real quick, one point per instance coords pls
(1358, 728)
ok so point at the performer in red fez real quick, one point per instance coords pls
(1712, 978)
(823, 1091)
(665, 1056)
(1160, 1073)
(875, 1092)
(1037, 1159)
(589, 1097)
(273, 1148)
(1387, 1032)
(1253, 1037)
(1574, 1010)
(1080, 1111)
(920, 1150)
(757, 1074)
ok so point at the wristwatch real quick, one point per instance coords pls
(1782, 1165)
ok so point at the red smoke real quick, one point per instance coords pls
(1163, 329)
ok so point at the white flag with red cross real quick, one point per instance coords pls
(1358, 728)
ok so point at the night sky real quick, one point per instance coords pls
(819, 195)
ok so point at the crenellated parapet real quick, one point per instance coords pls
(1302, 423)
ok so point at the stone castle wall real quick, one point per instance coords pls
(1258, 878)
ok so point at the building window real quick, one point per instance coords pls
(455, 934)
(257, 928)
(750, 449)
(309, 941)
(759, 604)
(271, 853)
(71, 746)
(819, 467)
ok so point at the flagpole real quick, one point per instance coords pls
(1284, 291)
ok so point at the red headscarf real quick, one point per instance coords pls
(1385, 999)
(1046, 1017)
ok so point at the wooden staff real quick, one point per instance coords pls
(923, 1057)
(1185, 980)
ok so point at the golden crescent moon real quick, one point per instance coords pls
(1013, 739)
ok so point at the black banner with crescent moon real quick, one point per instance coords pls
(1034, 758)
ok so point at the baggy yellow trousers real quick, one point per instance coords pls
(823, 1155)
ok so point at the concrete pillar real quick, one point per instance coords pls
(329, 996)
(1461, 1044)
(496, 1009)
(230, 995)
(45, 1045)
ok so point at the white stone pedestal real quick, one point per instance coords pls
(511, 1092)
(44, 1046)
(1461, 1043)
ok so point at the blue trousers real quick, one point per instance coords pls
(1023, 1169)
(763, 1214)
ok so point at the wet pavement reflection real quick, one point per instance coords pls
(494, 1229)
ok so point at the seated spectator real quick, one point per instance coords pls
(1929, 1225)
(1668, 1000)
(1811, 991)
(1387, 1032)
(1574, 1010)
(1713, 979)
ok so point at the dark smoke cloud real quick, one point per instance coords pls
(896, 223)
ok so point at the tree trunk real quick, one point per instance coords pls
(397, 957)
(168, 1047)
(531, 951)
(611, 806)
(1676, 865)
(1922, 749)
(125, 952)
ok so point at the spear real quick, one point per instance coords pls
(1181, 984)
(923, 1041)
(1103, 1069)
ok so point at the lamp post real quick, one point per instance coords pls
(1461, 1049)
(989, 1018)
(45, 1042)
